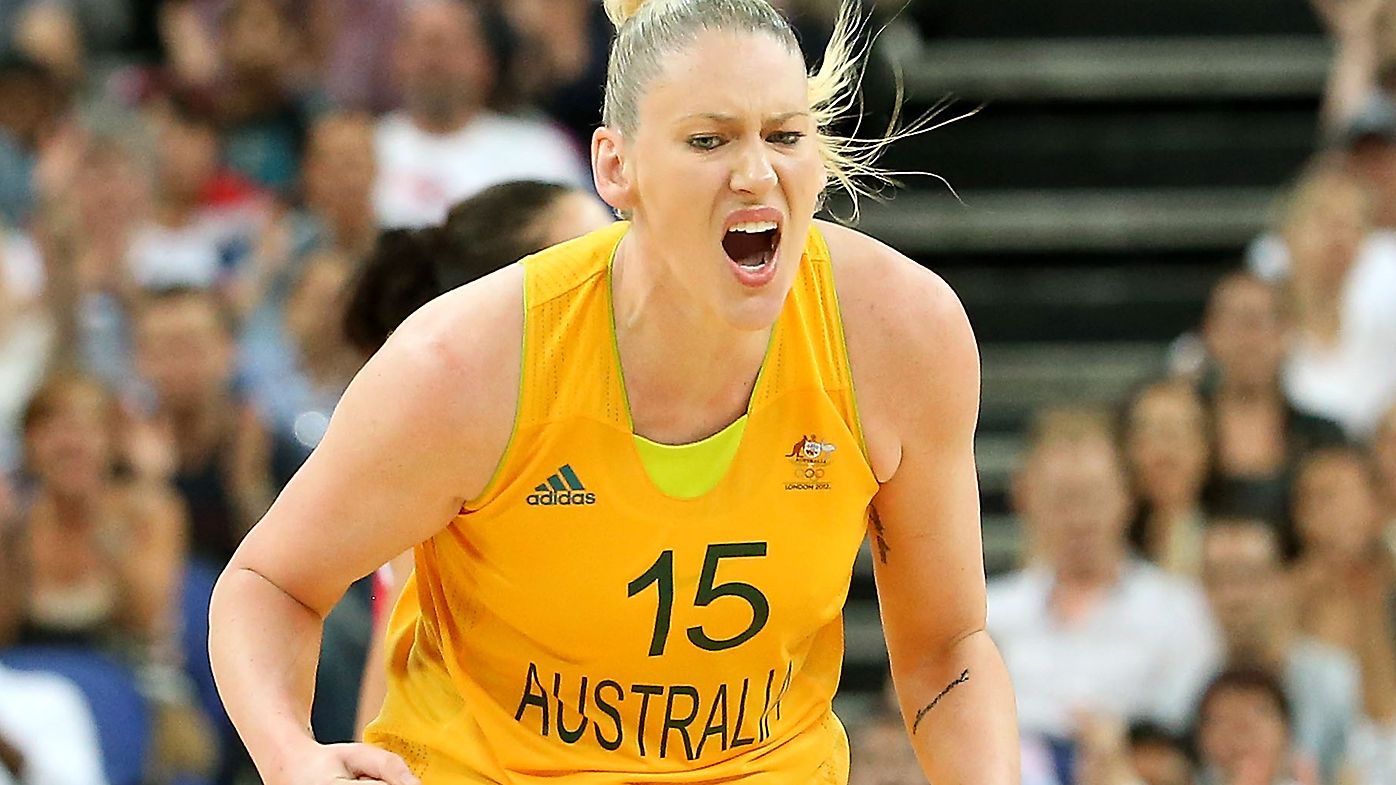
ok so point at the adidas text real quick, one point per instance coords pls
(561, 498)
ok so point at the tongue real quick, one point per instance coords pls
(748, 250)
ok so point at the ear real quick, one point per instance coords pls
(609, 171)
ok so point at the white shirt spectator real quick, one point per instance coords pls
(421, 174)
(1144, 652)
(47, 720)
(1354, 381)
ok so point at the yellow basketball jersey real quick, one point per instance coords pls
(576, 624)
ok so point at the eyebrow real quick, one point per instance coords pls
(718, 117)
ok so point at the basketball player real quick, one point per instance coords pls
(636, 499)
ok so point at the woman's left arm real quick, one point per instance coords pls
(956, 699)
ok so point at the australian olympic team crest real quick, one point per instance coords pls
(811, 458)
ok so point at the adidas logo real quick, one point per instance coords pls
(561, 489)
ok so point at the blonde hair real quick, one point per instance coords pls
(649, 31)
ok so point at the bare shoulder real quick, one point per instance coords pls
(908, 337)
(880, 285)
(452, 371)
(463, 326)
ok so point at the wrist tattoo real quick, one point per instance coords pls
(879, 535)
(963, 677)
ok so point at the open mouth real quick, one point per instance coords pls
(752, 244)
(751, 247)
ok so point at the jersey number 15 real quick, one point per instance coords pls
(661, 574)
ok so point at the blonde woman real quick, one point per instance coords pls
(634, 536)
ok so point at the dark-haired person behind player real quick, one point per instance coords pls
(494, 228)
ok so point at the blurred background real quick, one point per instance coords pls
(1175, 235)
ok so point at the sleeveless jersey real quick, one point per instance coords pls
(576, 624)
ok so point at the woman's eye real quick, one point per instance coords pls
(786, 137)
(704, 142)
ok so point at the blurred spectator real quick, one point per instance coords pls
(1254, 605)
(562, 66)
(1342, 280)
(1258, 434)
(96, 194)
(262, 110)
(355, 56)
(47, 733)
(1347, 590)
(1353, 25)
(1335, 509)
(337, 218)
(85, 525)
(296, 362)
(34, 100)
(1167, 443)
(81, 40)
(340, 170)
(1243, 732)
(205, 216)
(1088, 628)
(107, 554)
(444, 144)
(45, 31)
(196, 431)
(1159, 757)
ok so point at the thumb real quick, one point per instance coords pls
(366, 761)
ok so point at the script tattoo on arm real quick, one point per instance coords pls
(879, 535)
(963, 677)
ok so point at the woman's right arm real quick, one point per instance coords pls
(417, 432)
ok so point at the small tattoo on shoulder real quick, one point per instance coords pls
(879, 535)
(963, 677)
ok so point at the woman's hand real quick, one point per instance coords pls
(330, 764)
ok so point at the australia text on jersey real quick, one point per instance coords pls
(655, 720)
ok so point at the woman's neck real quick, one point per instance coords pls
(687, 373)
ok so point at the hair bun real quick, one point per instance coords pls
(621, 11)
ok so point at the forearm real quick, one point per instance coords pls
(958, 707)
(264, 647)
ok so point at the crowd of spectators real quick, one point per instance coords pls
(1207, 588)
(1207, 594)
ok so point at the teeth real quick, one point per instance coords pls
(754, 227)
